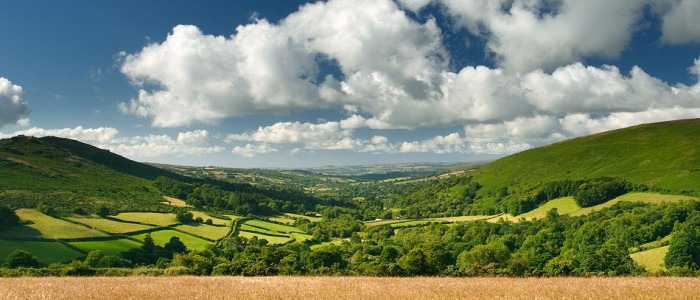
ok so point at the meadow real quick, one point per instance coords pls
(348, 288)
(108, 247)
(43, 226)
(161, 237)
(157, 219)
(46, 252)
(108, 225)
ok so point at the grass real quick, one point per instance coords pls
(281, 219)
(565, 205)
(111, 247)
(462, 218)
(332, 242)
(207, 231)
(158, 219)
(297, 216)
(161, 237)
(175, 202)
(249, 228)
(269, 238)
(110, 226)
(652, 260)
(215, 220)
(301, 237)
(188, 287)
(663, 155)
(46, 252)
(652, 198)
(273, 226)
(43, 226)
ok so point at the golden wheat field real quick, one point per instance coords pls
(348, 288)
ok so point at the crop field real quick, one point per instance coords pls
(110, 226)
(43, 226)
(271, 239)
(46, 252)
(163, 236)
(207, 231)
(347, 288)
(109, 247)
(274, 227)
(158, 219)
(652, 260)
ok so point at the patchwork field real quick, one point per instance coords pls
(348, 288)
(163, 236)
(110, 226)
(216, 221)
(312, 219)
(158, 219)
(274, 227)
(46, 252)
(206, 231)
(43, 226)
(109, 247)
(271, 239)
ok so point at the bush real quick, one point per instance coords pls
(21, 258)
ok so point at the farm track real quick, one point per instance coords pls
(347, 288)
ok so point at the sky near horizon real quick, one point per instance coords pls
(294, 84)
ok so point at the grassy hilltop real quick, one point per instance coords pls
(662, 155)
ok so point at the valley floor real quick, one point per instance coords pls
(347, 288)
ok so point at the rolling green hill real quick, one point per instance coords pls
(663, 157)
(66, 174)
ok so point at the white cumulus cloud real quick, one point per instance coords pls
(13, 106)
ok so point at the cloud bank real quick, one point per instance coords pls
(384, 69)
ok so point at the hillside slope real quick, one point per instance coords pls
(662, 156)
(59, 173)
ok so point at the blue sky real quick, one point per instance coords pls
(294, 84)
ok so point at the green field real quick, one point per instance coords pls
(273, 226)
(332, 242)
(163, 236)
(43, 226)
(565, 205)
(462, 219)
(301, 237)
(158, 219)
(269, 238)
(46, 252)
(651, 198)
(249, 228)
(110, 226)
(297, 216)
(110, 247)
(207, 231)
(215, 220)
(652, 260)
(281, 219)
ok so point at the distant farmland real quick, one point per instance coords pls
(348, 288)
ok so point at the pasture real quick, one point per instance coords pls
(347, 288)
(157, 219)
(161, 237)
(274, 227)
(652, 260)
(110, 226)
(46, 252)
(43, 226)
(206, 231)
(271, 239)
(215, 220)
(108, 247)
